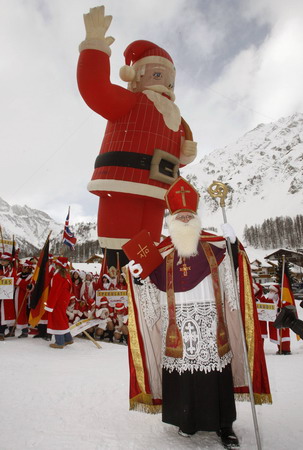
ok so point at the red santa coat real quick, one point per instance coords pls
(76, 290)
(120, 318)
(79, 309)
(57, 303)
(8, 315)
(20, 303)
(131, 198)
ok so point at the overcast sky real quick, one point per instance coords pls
(239, 63)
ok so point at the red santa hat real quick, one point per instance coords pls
(103, 301)
(62, 261)
(139, 53)
(28, 263)
(106, 276)
(90, 301)
(7, 256)
(119, 306)
(182, 196)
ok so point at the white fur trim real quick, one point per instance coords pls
(95, 44)
(154, 60)
(112, 243)
(51, 331)
(127, 73)
(128, 187)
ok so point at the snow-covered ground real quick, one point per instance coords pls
(77, 398)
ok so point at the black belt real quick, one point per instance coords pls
(133, 160)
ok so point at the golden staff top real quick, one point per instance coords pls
(217, 189)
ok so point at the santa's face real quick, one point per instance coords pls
(156, 77)
(185, 230)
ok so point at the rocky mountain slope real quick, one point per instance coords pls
(264, 172)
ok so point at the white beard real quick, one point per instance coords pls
(185, 236)
(169, 110)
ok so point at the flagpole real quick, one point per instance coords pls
(2, 238)
(103, 263)
(281, 300)
(218, 189)
(63, 249)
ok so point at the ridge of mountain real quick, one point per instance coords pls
(263, 170)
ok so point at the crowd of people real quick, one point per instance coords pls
(280, 337)
(73, 297)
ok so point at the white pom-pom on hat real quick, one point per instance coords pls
(127, 73)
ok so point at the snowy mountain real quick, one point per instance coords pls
(30, 228)
(263, 170)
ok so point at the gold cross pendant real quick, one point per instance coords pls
(184, 269)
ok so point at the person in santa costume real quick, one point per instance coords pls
(121, 322)
(105, 313)
(87, 290)
(146, 140)
(259, 296)
(22, 293)
(7, 307)
(57, 303)
(121, 282)
(279, 337)
(184, 327)
(77, 283)
(104, 283)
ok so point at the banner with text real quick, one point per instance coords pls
(113, 297)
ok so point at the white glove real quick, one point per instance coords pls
(135, 269)
(188, 152)
(228, 232)
(96, 25)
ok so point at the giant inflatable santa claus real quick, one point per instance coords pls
(146, 140)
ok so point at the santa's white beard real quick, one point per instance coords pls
(185, 236)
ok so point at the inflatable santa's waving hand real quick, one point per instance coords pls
(146, 140)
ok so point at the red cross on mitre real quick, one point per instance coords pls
(182, 196)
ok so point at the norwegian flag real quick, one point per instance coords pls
(69, 238)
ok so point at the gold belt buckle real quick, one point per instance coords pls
(164, 167)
